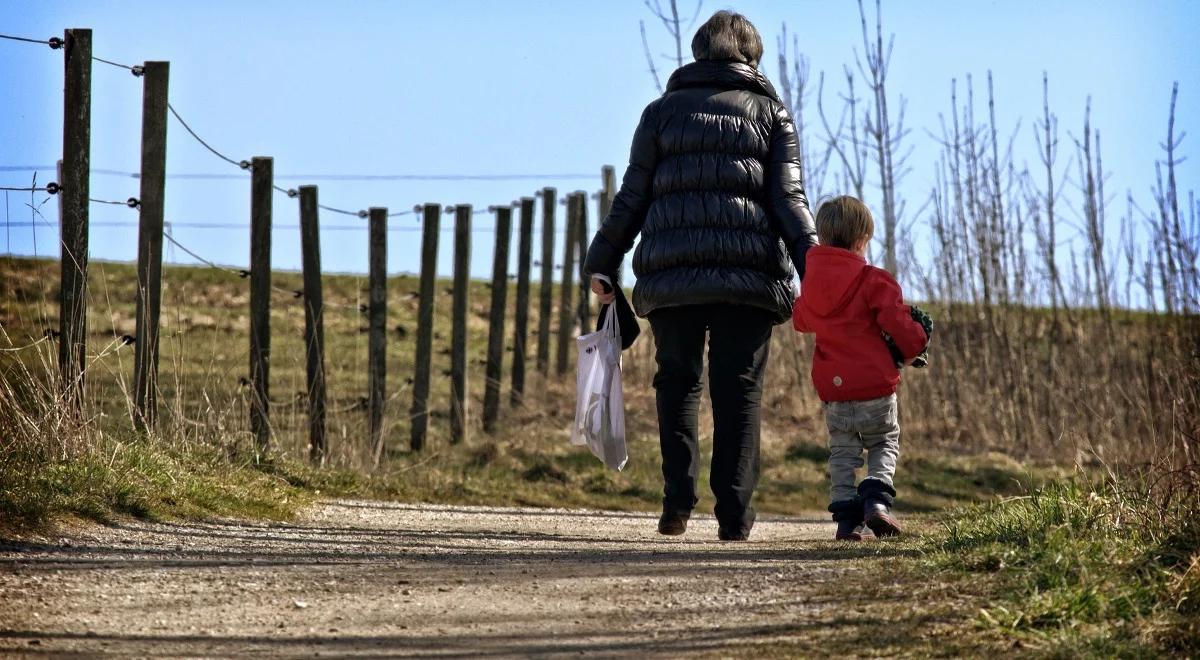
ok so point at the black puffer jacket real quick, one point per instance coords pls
(714, 188)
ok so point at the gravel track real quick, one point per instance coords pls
(384, 579)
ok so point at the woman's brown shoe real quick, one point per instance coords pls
(672, 523)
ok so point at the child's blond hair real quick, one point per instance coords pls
(843, 221)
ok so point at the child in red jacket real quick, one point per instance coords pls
(848, 303)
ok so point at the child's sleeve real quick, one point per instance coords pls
(798, 321)
(886, 301)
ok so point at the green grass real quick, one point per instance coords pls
(1086, 567)
(526, 462)
(141, 479)
(1079, 567)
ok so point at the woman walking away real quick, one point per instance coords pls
(714, 189)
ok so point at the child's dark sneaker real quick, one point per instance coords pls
(877, 499)
(879, 518)
(848, 514)
(847, 530)
(673, 523)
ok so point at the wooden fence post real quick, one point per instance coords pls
(314, 323)
(261, 182)
(545, 302)
(77, 123)
(150, 237)
(495, 345)
(458, 333)
(585, 284)
(608, 182)
(566, 312)
(424, 358)
(521, 331)
(377, 331)
(608, 179)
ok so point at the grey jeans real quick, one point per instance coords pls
(854, 426)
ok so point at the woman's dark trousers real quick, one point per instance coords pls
(738, 344)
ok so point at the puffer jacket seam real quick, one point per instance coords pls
(709, 191)
(658, 231)
(740, 155)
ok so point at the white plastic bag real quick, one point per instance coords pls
(600, 408)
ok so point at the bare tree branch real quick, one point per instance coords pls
(650, 58)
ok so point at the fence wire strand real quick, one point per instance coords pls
(44, 42)
(519, 176)
(242, 273)
(201, 259)
(199, 139)
(356, 214)
(116, 64)
(228, 226)
(132, 202)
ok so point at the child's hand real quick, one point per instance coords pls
(919, 362)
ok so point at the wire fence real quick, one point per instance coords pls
(519, 176)
(247, 166)
(73, 305)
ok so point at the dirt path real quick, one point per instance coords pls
(366, 578)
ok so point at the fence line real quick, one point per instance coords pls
(330, 177)
(74, 361)
(117, 224)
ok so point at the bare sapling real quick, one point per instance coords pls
(886, 135)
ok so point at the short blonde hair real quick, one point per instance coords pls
(843, 221)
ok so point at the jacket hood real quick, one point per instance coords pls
(832, 276)
(721, 74)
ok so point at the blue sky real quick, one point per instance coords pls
(478, 87)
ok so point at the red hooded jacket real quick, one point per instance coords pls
(846, 303)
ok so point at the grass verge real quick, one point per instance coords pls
(1085, 566)
(144, 479)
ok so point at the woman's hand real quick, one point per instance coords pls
(604, 293)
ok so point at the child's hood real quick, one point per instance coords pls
(832, 277)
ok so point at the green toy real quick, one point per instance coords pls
(922, 360)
